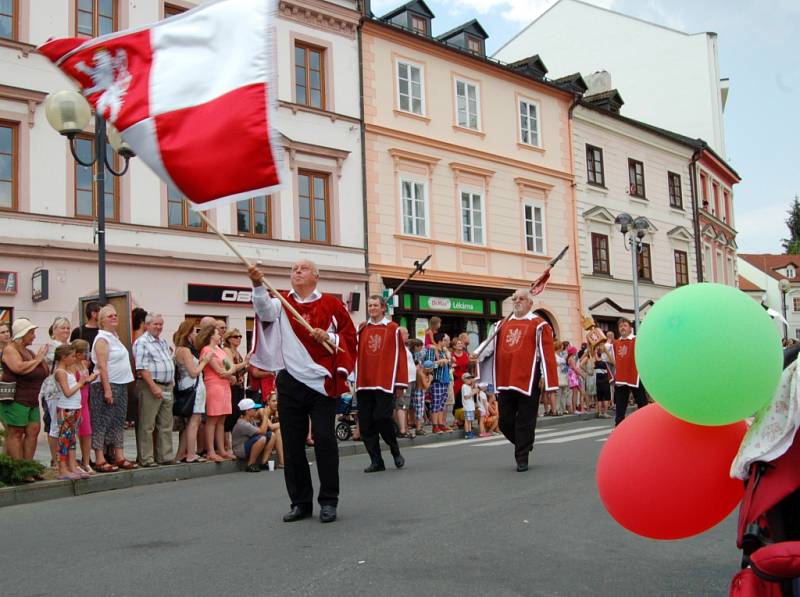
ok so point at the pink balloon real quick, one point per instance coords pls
(664, 478)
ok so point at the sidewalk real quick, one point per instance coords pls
(48, 490)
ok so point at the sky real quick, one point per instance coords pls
(757, 52)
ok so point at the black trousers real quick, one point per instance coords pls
(375, 417)
(296, 403)
(621, 395)
(518, 414)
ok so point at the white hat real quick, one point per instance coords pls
(21, 327)
(247, 404)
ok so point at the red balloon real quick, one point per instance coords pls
(664, 478)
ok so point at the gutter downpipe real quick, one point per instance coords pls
(576, 246)
(696, 211)
(363, 6)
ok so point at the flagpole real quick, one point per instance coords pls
(286, 304)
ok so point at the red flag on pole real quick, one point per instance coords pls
(191, 95)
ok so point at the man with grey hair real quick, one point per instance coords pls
(155, 370)
(517, 357)
(309, 382)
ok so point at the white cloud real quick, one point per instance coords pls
(517, 11)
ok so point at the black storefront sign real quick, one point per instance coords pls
(219, 295)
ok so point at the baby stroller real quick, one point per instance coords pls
(345, 417)
(769, 519)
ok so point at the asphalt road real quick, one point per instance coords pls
(457, 520)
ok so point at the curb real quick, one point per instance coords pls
(51, 490)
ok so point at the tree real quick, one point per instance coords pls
(792, 244)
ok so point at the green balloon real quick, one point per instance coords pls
(709, 354)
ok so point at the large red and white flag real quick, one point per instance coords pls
(190, 94)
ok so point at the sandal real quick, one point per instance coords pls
(106, 468)
(198, 459)
(126, 465)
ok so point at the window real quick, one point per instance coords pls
(8, 19)
(717, 211)
(253, 217)
(708, 267)
(472, 218)
(534, 228)
(643, 263)
(474, 44)
(704, 190)
(414, 208)
(309, 76)
(675, 194)
(726, 198)
(467, 105)
(85, 198)
(419, 24)
(8, 166)
(681, 268)
(720, 273)
(797, 333)
(95, 17)
(636, 178)
(594, 166)
(314, 210)
(170, 10)
(409, 85)
(796, 304)
(600, 254)
(179, 214)
(529, 122)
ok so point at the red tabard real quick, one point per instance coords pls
(519, 343)
(382, 363)
(330, 314)
(625, 362)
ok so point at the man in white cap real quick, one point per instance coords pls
(251, 441)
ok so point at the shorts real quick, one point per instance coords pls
(469, 415)
(15, 414)
(404, 401)
(438, 396)
(603, 392)
(248, 445)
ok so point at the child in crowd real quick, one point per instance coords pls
(492, 421)
(68, 410)
(424, 381)
(468, 393)
(482, 403)
(82, 350)
(252, 442)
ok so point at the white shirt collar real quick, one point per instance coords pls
(630, 336)
(384, 321)
(528, 315)
(314, 296)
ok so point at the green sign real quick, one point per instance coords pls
(461, 305)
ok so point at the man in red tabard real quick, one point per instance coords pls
(521, 363)
(626, 375)
(309, 382)
(381, 370)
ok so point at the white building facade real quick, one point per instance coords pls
(159, 256)
(767, 272)
(606, 150)
(669, 78)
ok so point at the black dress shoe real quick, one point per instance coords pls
(399, 461)
(327, 514)
(375, 468)
(297, 513)
(522, 467)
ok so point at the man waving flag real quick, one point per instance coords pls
(190, 95)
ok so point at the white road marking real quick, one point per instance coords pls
(553, 435)
(572, 438)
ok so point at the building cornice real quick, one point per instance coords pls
(18, 94)
(419, 140)
(325, 16)
(334, 116)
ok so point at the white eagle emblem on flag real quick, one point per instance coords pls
(374, 343)
(513, 338)
(110, 78)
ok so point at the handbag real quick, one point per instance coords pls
(183, 400)
(8, 389)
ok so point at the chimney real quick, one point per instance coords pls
(598, 82)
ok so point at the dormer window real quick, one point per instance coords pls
(419, 25)
(790, 272)
(474, 44)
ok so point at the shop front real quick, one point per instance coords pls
(461, 308)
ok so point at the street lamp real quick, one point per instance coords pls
(68, 112)
(785, 286)
(633, 231)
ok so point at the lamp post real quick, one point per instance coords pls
(633, 231)
(785, 286)
(68, 112)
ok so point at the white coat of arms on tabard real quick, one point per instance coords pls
(513, 338)
(374, 344)
(110, 78)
